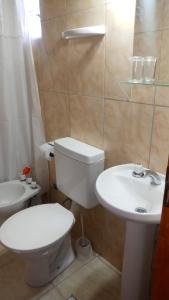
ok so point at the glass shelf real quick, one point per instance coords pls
(127, 86)
(154, 83)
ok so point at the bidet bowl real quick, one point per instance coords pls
(134, 199)
(14, 196)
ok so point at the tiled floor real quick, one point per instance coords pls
(91, 280)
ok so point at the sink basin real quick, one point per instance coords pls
(134, 199)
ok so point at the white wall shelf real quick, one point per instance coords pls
(84, 32)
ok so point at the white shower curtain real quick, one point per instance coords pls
(21, 128)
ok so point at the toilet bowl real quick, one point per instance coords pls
(14, 196)
(40, 235)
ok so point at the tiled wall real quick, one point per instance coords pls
(80, 94)
(152, 38)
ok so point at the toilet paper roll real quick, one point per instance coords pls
(47, 151)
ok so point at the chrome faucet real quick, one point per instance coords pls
(155, 178)
(140, 172)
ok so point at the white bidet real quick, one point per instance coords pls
(14, 196)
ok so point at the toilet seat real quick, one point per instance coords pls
(36, 227)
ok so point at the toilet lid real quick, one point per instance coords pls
(36, 227)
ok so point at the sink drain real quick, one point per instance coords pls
(141, 210)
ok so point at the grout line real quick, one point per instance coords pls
(154, 107)
(69, 115)
(102, 98)
(151, 31)
(68, 76)
(104, 88)
(72, 94)
(128, 101)
(151, 135)
(137, 102)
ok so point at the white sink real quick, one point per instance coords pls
(140, 203)
(134, 199)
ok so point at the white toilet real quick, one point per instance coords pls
(40, 234)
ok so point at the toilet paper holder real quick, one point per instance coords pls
(47, 150)
(51, 154)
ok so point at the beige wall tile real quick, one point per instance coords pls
(149, 15)
(143, 94)
(101, 227)
(51, 33)
(165, 23)
(106, 242)
(57, 52)
(148, 44)
(86, 67)
(90, 17)
(42, 110)
(127, 132)
(116, 228)
(119, 46)
(58, 62)
(164, 59)
(73, 5)
(162, 96)
(52, 8)
(43, 72)
(56, 108)
(86, 117)
(160, 140)
(86, 56)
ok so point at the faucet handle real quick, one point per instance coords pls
(138, 170)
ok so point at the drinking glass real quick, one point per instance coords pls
(136, 67)
(149, 67)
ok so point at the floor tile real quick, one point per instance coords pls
(12, 284)
(94, 281)
(74, 267)
(6, 257)
(53, 294)
(2, 250)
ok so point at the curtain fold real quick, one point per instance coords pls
(21, 127)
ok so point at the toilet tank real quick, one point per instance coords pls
(77, 168)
